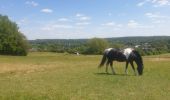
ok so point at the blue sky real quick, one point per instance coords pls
(73, 19)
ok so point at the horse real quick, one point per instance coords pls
(128, 55)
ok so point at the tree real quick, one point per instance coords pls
(12, 41)
(96, 46)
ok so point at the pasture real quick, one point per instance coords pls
(52, 76)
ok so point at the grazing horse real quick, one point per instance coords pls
(127, 55)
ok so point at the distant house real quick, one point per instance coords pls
(137, 46)
(147, 46)
(33, 50)
(77, 53)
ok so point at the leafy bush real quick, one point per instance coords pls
(12, 41)
(96, 46)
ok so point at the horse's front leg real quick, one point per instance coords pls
(127, 63)
(111, 65)
(131, 63)
(107, 64)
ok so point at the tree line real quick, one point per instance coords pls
(150, 45)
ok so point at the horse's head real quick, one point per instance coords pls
(140, 69)
(138, 59)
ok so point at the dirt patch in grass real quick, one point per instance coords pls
(157, 59)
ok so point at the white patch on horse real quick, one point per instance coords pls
(127, 52)
(107, 50)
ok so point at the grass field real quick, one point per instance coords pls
(51, 76)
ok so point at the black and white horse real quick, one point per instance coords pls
(127, 55)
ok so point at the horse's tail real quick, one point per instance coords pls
(103, 60)
(139, 62)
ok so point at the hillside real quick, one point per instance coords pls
(147, 45)
(137, 39)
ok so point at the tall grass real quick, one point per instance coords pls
(51, 76)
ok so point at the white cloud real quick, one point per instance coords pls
(157, 17)
(62, 26)
(22, 22)
(109, 24)
(63, 20)
(154, 15)
(132, 24)
(158, 3)
(158, 21)
(83, 23)
(82, 20)
(112, 26)
(155, 3)
(82, 17)
(141, 3)
(47, 10)
(32, 3)
(79, 15)
(52, 27)
(119, 25)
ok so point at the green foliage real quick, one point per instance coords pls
(12, 42)
(117, 45)
(96, 46)
(153, 45)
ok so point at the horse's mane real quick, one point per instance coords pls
(138, 55)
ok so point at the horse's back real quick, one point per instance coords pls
(127, 52)
(116, 54)
(106, 51)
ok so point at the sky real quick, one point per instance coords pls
(79, 19)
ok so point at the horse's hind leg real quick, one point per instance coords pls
(133, 67)
(127, 63)
(111, 65)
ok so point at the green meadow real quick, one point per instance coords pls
(53, 76)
